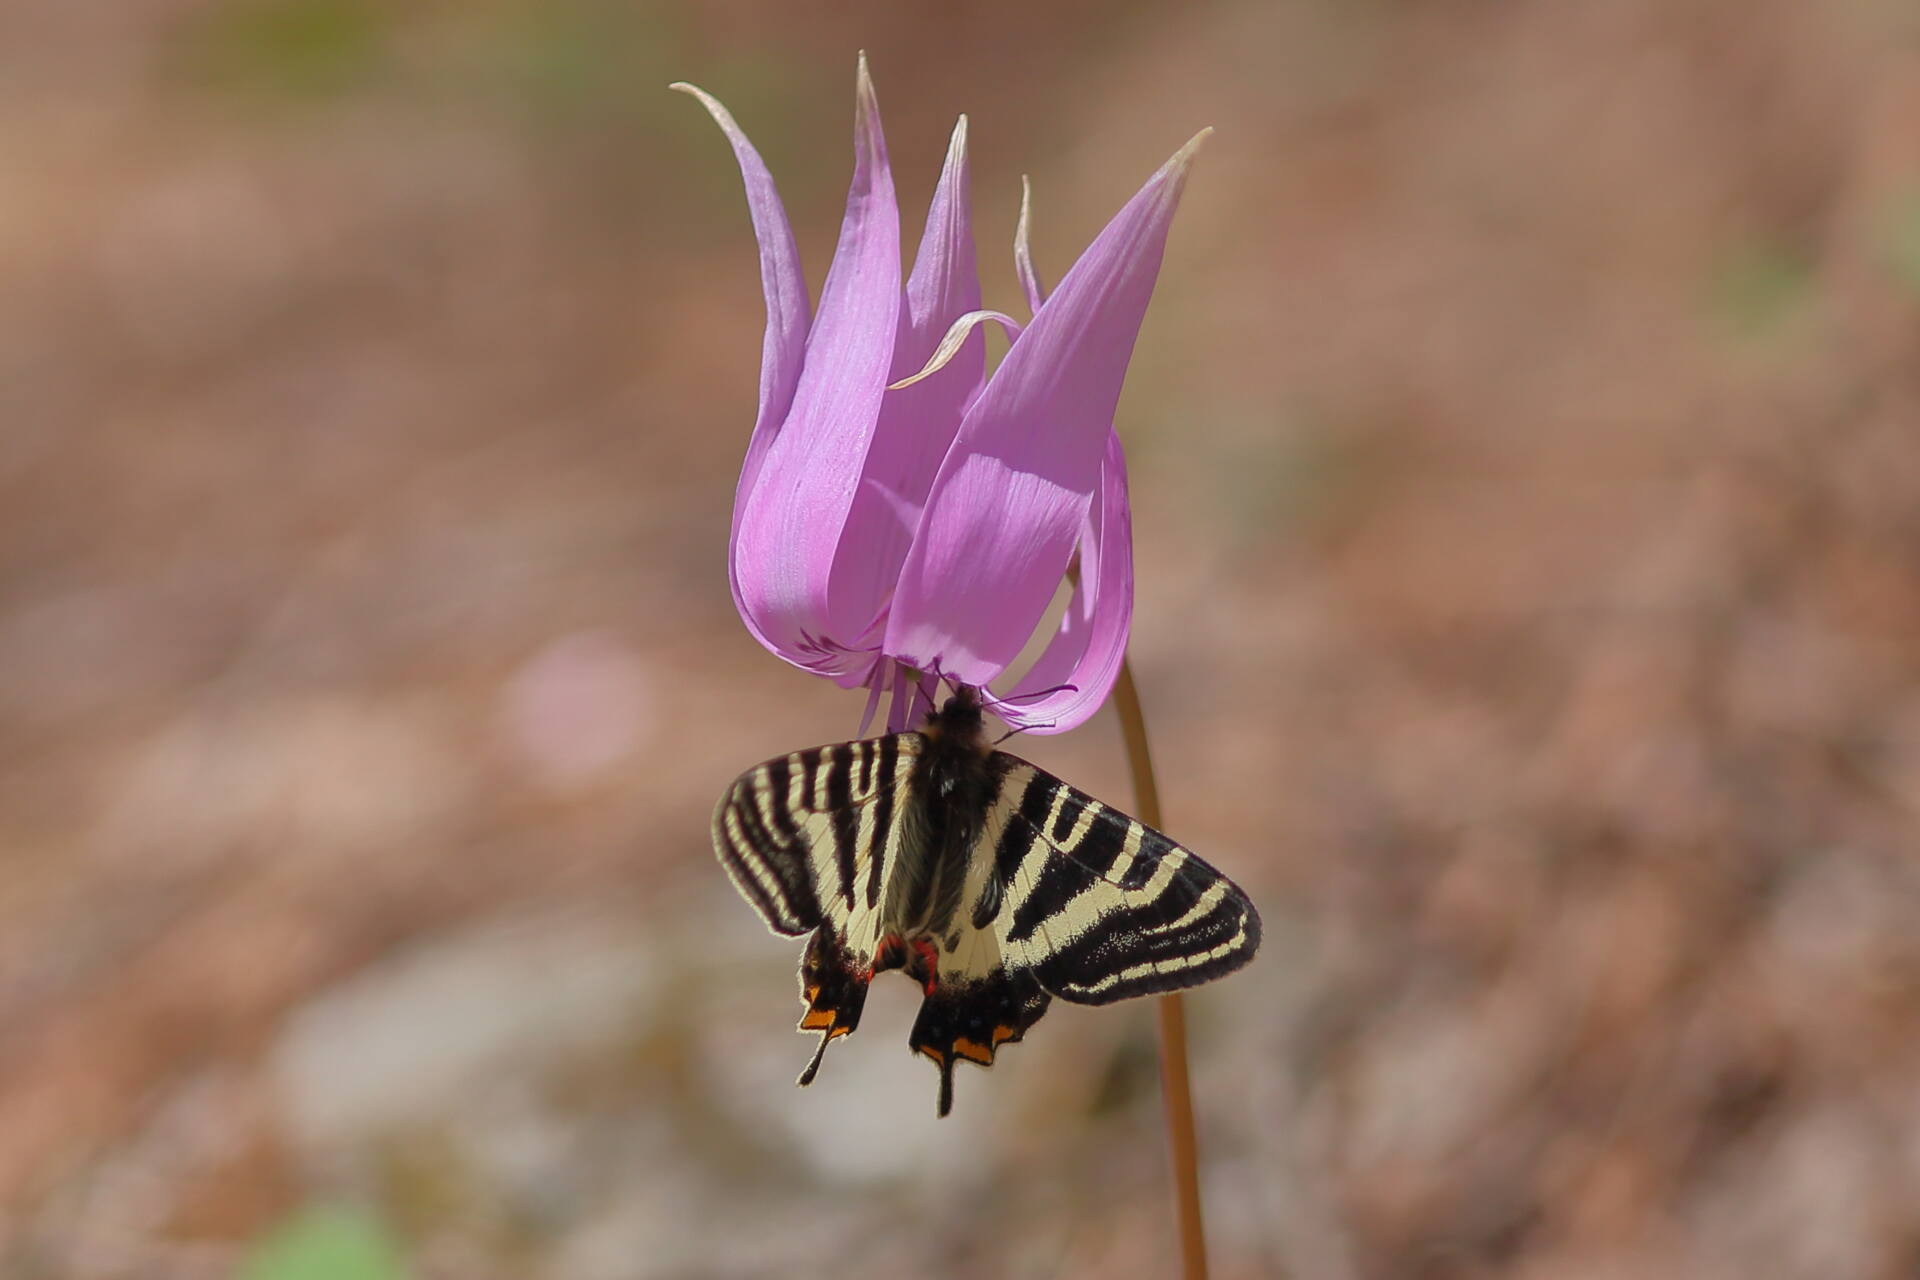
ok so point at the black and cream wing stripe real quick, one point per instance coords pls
(808, 837)
(1100, 906)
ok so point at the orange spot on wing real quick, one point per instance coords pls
(817, 1020)
(974, 1051)
(1002, 1034)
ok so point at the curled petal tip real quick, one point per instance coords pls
(720, 114)
(1023, 249)
(955, 338)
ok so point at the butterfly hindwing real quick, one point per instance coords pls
(969, 1017)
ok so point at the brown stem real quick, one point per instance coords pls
(1175, 1090)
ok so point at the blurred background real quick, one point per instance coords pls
(1528, 522)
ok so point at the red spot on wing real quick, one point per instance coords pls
(929, 957)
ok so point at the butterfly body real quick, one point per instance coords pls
(951, 789)
(994, 885)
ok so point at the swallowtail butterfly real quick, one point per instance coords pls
(991, 883)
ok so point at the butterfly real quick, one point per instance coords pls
(990, 882)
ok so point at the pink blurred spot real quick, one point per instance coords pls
(577, 708)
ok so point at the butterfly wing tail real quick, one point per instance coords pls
(833, 985)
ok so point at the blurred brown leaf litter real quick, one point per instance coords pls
(1529, 536)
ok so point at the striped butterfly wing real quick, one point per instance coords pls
(1101, 907)
(1073, 899)
(808, 839)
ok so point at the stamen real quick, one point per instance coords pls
(876, 680)
(900, 711)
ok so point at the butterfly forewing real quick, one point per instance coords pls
(806, 837)
(1101, 906)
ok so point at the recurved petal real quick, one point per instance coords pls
(1011, 497)
(788, 313)
(1080, 663)
(793, 515)
(916, 423)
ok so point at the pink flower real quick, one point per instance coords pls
(900, 514)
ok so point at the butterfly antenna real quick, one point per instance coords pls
(993, 703)
(930, 696)
(1038, 694)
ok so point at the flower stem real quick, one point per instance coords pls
(1175, 1090)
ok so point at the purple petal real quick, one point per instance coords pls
(788, 313)
(1013, 493)
(793, 515)
(1076, 670)
(917, 423)
(1079, 665)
